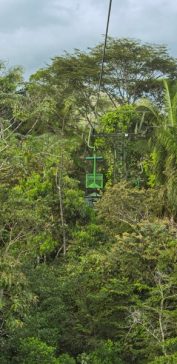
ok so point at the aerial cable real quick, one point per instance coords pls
(101, 72)
(103, 58)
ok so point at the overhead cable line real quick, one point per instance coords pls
(101, 72)
(103, 57)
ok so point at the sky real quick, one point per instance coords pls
(34, 31)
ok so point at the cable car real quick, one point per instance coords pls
(94, 180)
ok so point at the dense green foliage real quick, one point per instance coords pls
(81, 284)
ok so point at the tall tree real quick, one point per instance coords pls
(163, 165)
(132, 70)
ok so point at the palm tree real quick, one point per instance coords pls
(164, 143)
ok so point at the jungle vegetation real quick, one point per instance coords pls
(90, 284)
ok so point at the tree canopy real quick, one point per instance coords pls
(85, 284)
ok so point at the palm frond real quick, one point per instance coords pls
(174, 108)
(139, 124)
(168, 104)
(148, 105)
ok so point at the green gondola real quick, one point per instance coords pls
(94, 180)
